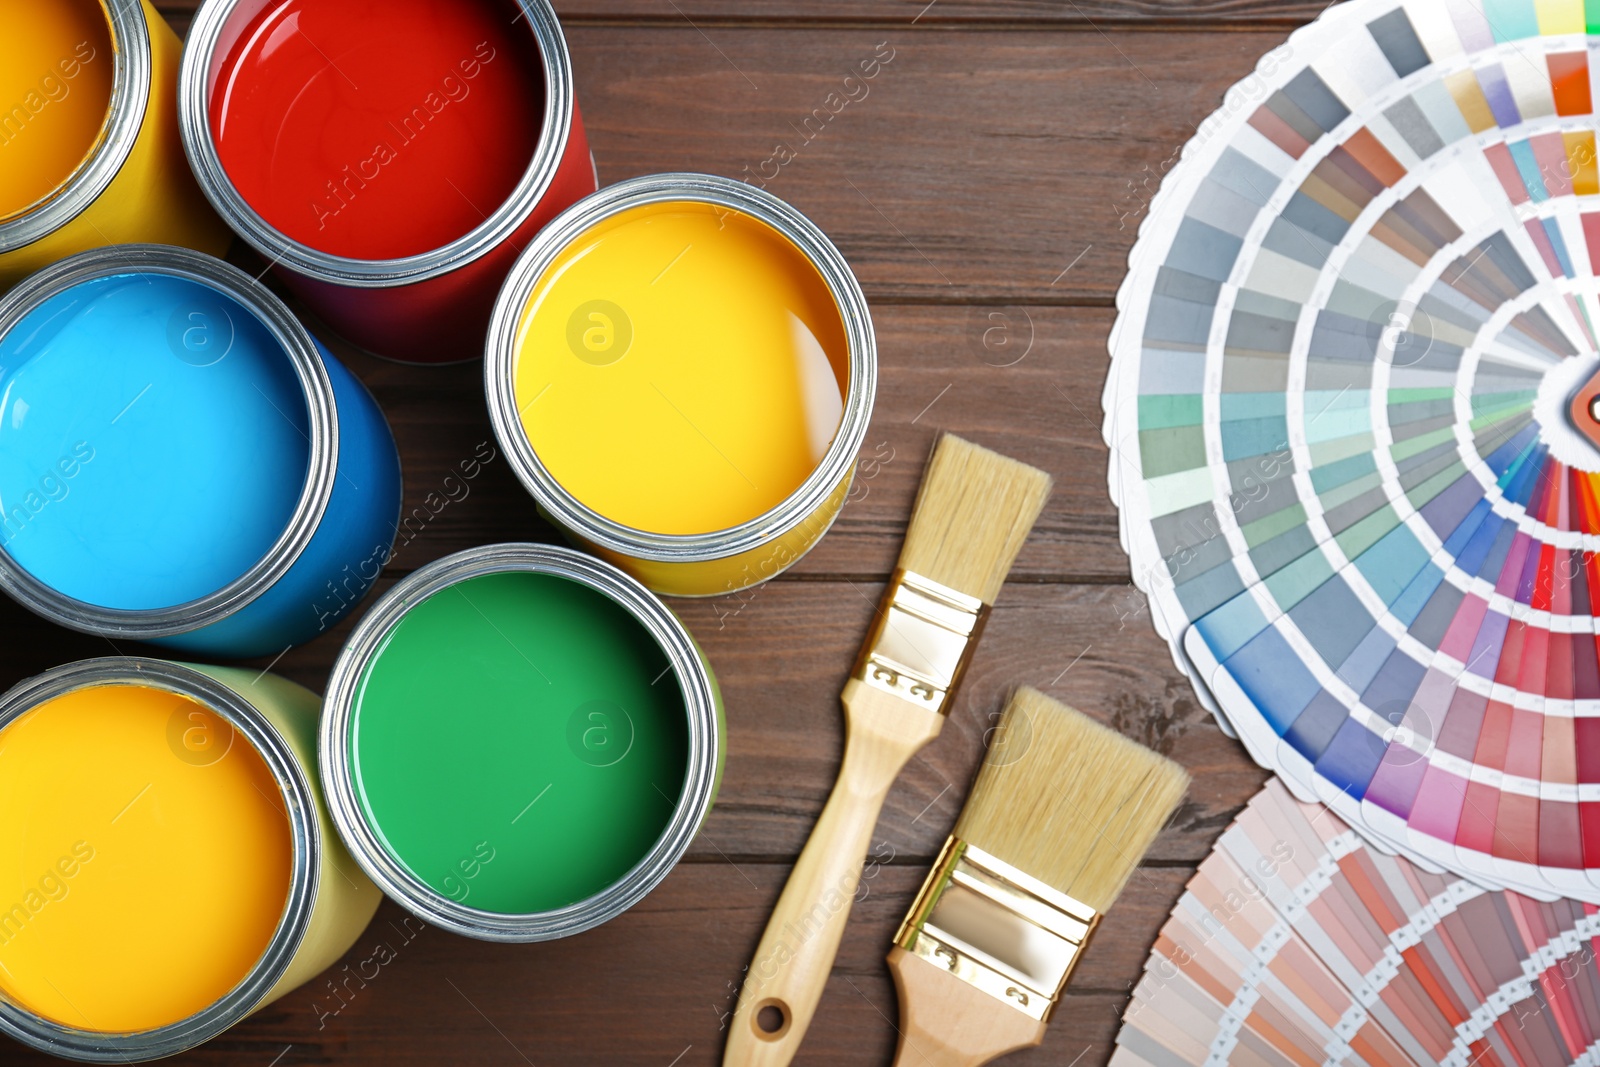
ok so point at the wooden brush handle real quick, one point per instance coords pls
(944, 1022)
(796, 953)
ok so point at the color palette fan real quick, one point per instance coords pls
(1296, 943)
(1353, 441)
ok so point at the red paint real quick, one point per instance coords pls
(379, 129)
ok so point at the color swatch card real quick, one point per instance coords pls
(1297, 943)
(1340, 415)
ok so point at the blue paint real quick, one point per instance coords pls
(188, 473)
(351, 545)
(153, 445)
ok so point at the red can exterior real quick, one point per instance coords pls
(443, 319)
(432, 307)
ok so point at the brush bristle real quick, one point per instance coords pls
(973, 512)
(1068, 801)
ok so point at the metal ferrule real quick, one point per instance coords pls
(130, 93)
(218, 26)
(95, 1046)
(921, 640)
(322, 428)
(805, 503)
(998, 929)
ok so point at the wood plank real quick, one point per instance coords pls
(977, 167)
(984, 166)
(784, 658)
(782, 661)
(935, 373)
(654, 984)
(941, 12)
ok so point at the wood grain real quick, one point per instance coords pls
(946, 1021)
(1237, 13)
(978, 167)
(654, 984)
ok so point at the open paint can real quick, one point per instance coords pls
(681, 369)
(180, 462)
(166, 863)
(389, 157)
(519, 742)
(89, 147)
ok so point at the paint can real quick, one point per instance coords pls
(519, 742)
(180, 462)
(681, 369)
(140, 788)
(89, 140)
(391, 197)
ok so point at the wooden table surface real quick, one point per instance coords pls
(986, 189)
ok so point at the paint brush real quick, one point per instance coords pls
(973, 513)
(1061, 814)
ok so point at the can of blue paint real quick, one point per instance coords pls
(180, 461)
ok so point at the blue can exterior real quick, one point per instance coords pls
(353, 541)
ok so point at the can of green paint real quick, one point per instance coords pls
(519, 742)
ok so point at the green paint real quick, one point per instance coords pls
(518, 742)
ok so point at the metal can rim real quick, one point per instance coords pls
(130, 94)
(94, 1046)
(322, 424)
(716, 191)
(693, 802)
(199, 145)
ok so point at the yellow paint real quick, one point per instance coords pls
(346, 897)
(681, 369)
(1468, 95)
(153, 198)
(56, 67)
(1581, 162)
(144, 858)
(730, 574)
(1560, 16)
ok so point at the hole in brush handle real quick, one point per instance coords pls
(771, 1019)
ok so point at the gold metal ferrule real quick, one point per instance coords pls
(921, 640)
(997, 928)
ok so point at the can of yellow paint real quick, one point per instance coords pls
(166, 861)
(681, 369)
(90, 153)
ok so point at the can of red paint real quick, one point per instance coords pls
(391, 158)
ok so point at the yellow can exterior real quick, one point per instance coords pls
(729, 574)
(346, 897)
(153, 198)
